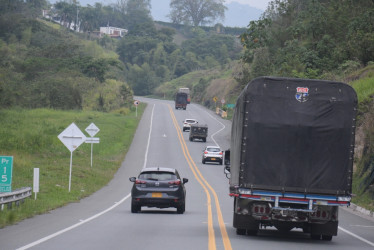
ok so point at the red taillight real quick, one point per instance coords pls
(267, 210)
(256, 209)
(205, 152)
(177, 182)
(220, 153)
(140, 182)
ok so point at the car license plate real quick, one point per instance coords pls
(213, 159)
(157, 195)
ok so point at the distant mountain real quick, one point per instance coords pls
(237, 14)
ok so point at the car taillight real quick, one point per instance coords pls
(205, 152)
(177, 182)
(220, 153)
(140, 182)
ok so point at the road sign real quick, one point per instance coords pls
(6, 169)
(222, 101)
(136, 103)
(72, 137)
(92, 140)
(230, 105)
(92, 130)
(215, 99)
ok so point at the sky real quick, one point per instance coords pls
(260, 4)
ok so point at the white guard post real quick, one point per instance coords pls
(36, 181)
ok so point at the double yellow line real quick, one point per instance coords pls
(199, 177)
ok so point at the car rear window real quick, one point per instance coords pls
(158, 176)
(190, 121)
(213, 150)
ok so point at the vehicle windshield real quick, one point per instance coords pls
(190, 121)
(213, 149)
(158, 176)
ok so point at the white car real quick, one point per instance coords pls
(212, 154)
(187, 124)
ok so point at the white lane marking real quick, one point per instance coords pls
(356, 236)
(149, 138)
(362, 226)
(223, 126)
(73, 226)
(96, 215)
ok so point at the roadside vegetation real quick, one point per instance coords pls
(30, 136)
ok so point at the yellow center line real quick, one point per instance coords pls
(201, 180)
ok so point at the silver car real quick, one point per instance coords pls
(212, 154)
(188, 122)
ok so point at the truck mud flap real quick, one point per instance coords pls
(245, 222)
(329, 228)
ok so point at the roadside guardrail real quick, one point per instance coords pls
(16, 196)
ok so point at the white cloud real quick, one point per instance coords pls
(260, 4)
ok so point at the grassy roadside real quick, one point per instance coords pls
(30, 136)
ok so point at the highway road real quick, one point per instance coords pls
(104, 220)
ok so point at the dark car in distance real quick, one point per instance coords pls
(160, 188)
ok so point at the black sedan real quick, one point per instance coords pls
(158, 187)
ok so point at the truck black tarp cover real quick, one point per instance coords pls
(181, 98)
(294, 135)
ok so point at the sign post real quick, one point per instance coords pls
(6, 169)
(215, 100)
(72, 137)
(136, 103)
(92, 130)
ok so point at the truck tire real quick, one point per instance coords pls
(203, 161)
(241, 231)
(252, 232)
(327, 237)
(204, 139)
(315, 236)
(191, 139)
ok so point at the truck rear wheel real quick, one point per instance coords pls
(252, 232)
(327, 237)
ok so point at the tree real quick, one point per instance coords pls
(196, 12)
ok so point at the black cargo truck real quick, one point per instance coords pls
(291, 155)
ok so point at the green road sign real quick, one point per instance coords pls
(6, 167)
(230, 105)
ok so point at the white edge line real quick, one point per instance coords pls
(73, 226)
(223, 126)
(149, 138)
(356, 236)
(96, 215)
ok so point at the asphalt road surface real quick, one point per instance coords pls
(104, 220)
